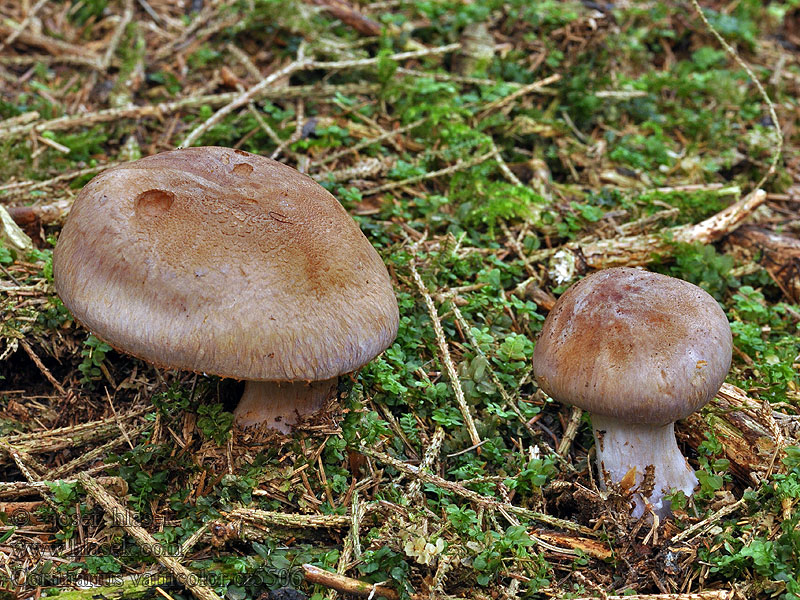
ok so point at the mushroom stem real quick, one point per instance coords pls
(624, 446)
(280, 405)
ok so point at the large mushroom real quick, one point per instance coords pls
(638, 351)
(220, 261)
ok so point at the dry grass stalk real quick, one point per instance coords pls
(445, 357)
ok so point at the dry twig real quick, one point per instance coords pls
(124, 518)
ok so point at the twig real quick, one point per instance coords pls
(299, 65)
(54, 144)
(10, 276)
(641, 249)
(348, 15)
(369, 142)
(352, 543)
(707, 595)
(209, 11)
(244, 58)
(366, 62)
(125, 519)
(192, 540)
(127, 15)
(569, 433)
(446, 359)
(507, 399)
(47, 59)
(527, 89)
(51, 45)
(486, 501)
(455, 78)
(299, 112)
(621, 94)
(164, 108)
(35, 185)
(15, 489)
(347, 585)
(265, 518)
(367, 167)
(26, 21)
(509, 174)
(710, 521)
(468, 449)
(459, 166)
(40, 365)
(25, 117)
(428, 459)
(89, 456)
(241, 100)
(51, 440)
(22, 460)
(25, 464)
(722, 223)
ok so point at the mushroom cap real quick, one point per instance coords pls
(634, 345)
(220, 261)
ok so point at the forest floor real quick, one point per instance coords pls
(493, 152)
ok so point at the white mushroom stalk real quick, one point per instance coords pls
(279, 405)
(622, 446)
(638, 351)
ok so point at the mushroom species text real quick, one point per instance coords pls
(220, 261)
(639, 351)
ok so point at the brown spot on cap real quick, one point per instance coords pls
(243, 169)
(153, 203)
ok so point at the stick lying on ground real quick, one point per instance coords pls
(125, 519)
(347, 585)
(779, 255)
(570, 260)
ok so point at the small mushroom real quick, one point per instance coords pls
(639, 351)
(219, 261)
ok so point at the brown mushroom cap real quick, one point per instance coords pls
(219, 261)
(633, 345)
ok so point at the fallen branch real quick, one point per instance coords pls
(125, 519)
(750, 438)
(573, 258)
(778, 254)
(347, 585)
